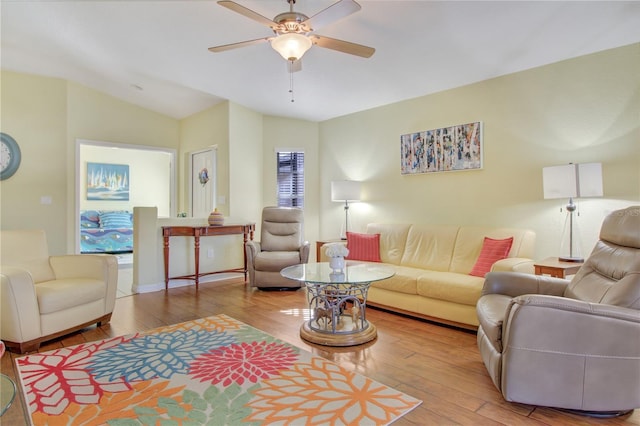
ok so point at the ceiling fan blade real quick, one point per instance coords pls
(225, 47)
(332, 13)
(342, 46)
(294, 66)
(247, 12)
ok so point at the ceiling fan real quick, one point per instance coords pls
(294, 31)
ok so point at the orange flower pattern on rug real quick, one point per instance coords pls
(322, 392)
(143, 395)
(214, 370)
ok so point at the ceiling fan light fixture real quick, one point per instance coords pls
(291, 46)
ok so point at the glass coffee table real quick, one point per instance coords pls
(7, 393)
(338, 301)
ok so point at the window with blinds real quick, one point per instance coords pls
(290, 179)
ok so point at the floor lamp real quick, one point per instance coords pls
(345, 190)
(572, 181)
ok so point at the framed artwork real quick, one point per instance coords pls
(441, 150)
(107, 182)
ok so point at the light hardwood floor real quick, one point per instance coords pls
(436, 364)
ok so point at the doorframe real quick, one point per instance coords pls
(213, 174)
(172, 177)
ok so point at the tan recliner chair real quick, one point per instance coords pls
(44, 297)
(281, 244)
(570, 344)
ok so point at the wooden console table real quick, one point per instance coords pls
(204, 231)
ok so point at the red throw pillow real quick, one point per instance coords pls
(492, 251)
(365, 247)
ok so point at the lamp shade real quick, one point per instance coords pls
(572, 181)
(345, 190)
(291, 46)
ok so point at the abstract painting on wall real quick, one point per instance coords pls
(107, 182)
(439, 150)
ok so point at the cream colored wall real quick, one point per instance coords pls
(200, 131)
(296, 134)
(581, 110)
(34, 113)
(245, 164)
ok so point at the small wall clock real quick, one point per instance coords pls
(9, 156)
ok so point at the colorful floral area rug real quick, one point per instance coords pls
(211, 371)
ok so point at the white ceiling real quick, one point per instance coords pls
(154, 53)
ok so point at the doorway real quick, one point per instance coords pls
(151, 178)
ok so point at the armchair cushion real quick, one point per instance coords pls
(28, 250)
(491, 316)
(276, 261)
(54, 296)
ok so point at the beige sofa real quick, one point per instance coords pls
(432, 264)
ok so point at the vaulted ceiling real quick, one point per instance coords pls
(154, 53)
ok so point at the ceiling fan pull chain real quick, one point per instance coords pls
(291, 81)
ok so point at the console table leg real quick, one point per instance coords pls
(166, 261)
(196, 243)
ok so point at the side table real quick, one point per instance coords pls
(556, 268)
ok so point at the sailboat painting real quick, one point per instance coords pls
(107, 182)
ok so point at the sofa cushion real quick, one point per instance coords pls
(404, 280)
(58, 295)
(393, 238)
(470, 240)
(450, 286)
(492, 251)
(365, 247)
(430, 247)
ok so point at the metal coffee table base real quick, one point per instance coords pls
(338, 314)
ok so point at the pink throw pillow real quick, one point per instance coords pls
(492, 251)
(365, 247)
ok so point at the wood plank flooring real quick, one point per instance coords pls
(437, 364)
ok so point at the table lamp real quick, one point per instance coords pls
(345, 190)
(572, 181)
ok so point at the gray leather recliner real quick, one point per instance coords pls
(281, 244)
(570, 344)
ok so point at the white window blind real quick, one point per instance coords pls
(290, 178)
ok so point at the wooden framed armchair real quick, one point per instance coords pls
(573, 344)
(281, 244)
(44, 297)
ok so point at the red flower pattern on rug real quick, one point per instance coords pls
(244, 361)
(59, 378)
